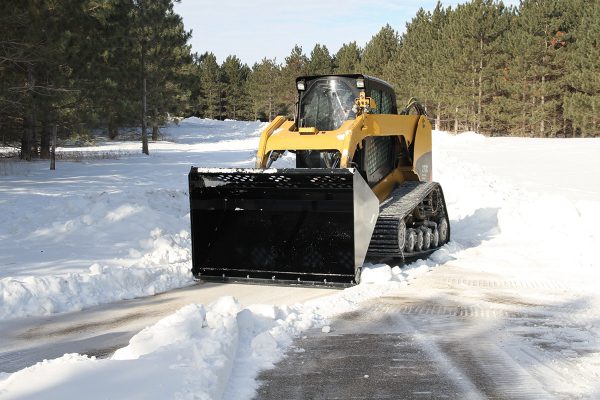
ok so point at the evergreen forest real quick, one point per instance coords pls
(78, 65)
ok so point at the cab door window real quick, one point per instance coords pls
(376, 95)
(386, 103)
(378, 158)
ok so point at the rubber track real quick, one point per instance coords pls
(392, 212)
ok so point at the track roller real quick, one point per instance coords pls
(419, 242)
(411, 240)
(443, 230)
(427, 234)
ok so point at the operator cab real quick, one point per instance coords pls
(325, 102)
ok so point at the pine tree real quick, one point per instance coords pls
(103, 67)
(347, 59)
(543, 37)
(488, 32)
(263, 89)
(473, 55)
(211, 86)
(163, 55)
(415, 70)
(234, 75)
(78, 64)
(168, 62)
(24, 52)
(512, 111)
(582, 103)
(379, 51)
(295, 66)
(320, 62)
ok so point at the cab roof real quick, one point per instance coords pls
(369, 80)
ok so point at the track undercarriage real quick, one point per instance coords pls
(412, 224)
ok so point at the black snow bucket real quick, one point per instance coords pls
(304, 226)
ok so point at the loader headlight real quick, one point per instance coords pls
(300, 85)
(360, 83)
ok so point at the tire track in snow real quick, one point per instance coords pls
(443, 310)
(485, 336)
(507, 284)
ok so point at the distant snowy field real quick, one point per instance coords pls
(103, 229)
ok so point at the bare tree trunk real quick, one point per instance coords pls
(543, 114)
(480, 94)
(524, 115)
(45, 139)
(53, 152)
(221, 107)
(28, 121)
(594, 119)
(143, 67)
(155, 125)
(438, 121)
(113, 131)
(270, 103)
(154, 131)
(456, 121)
(26, 138)
(471, 117)
(34, 144)
(144, 133)
(533, 121)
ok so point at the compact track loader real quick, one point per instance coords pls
(361, 190)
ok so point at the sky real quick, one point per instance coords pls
(255, 29)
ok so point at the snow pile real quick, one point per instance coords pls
(382, 273)
(59, 293)
(200, 352)
(499, 222)
(110, 246)
(107, 228)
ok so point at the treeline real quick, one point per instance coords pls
(531, 70)
(80, 64)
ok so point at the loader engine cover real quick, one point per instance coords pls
(284, 225)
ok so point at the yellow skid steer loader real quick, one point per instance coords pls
(361, 190)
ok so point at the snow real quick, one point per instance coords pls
(495, 206)
(113, 225)
(200, 352)
(102, 229)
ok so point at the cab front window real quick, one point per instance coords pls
(327, 103)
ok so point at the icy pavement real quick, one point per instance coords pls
(451, 334)
(99, 331)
